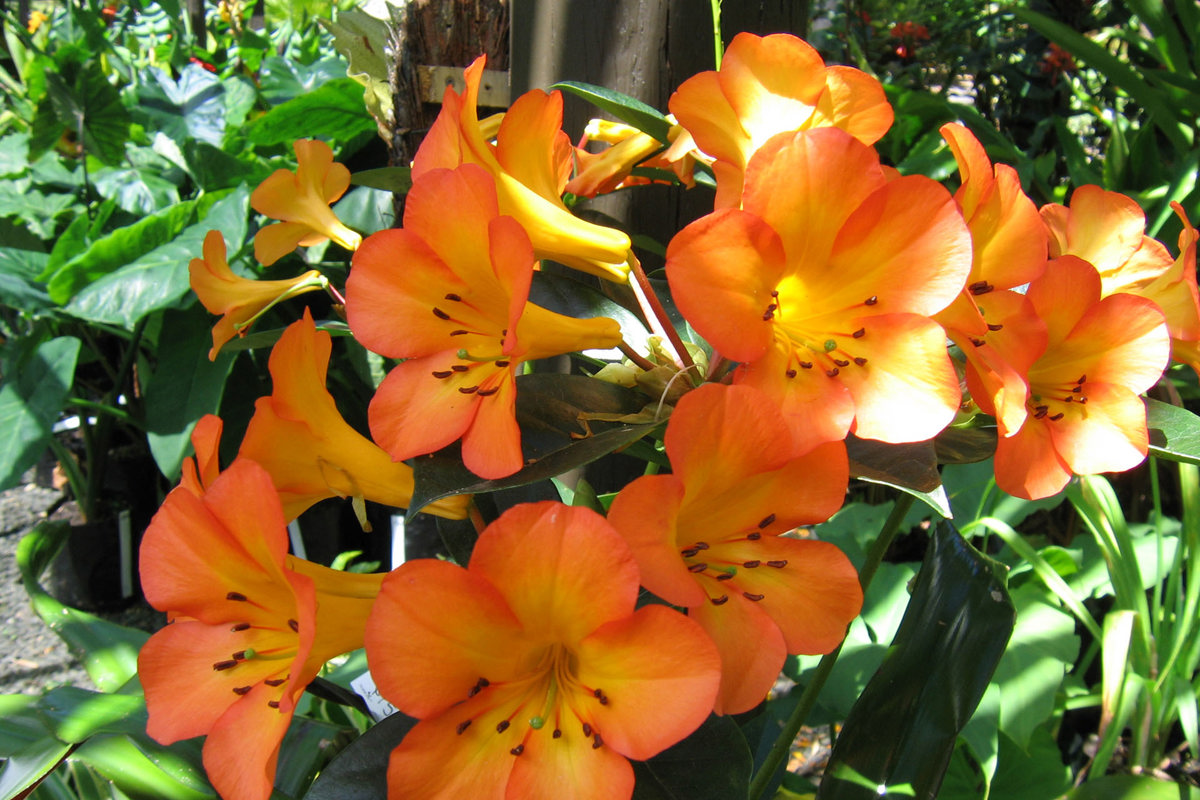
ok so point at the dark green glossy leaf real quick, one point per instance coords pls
(308, 746)
(912, 466)
(86, 103)
(553, 437)
(32, 395)
(19, 287)
(1174, 432)
(184, 387)
(713, 763)
(966, 445)
(335, 109)
(108, 651)
(360, 771)
(902, 731)
(623, 107)
(397, 180)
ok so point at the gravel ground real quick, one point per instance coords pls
(32, 657)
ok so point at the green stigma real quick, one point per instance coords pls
(537, 723)
(830, 344)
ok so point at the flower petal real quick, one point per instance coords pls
(242, 750)
(414, 413)
(751, 647)
(645, 514)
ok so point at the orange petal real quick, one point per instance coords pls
(491, 447)
(645, 514)
(752, 651)
(434, 762)
(1109, 436)
(414, 413)
(570, 768)
(1101, 227)
(242, 750)
(855, 102)
(531, 145)
(1027, 463)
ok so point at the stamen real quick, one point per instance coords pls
(1082, 400)
(872, 300)
(806, 365)
(242, 655)
(437, 312)
(557, 734)
(442, 374)
(1077, 389)
(597, 742)
(791, 373)
(242, 690)
(701, 545)
(995, 326)
(977, 342)
(516, 751)
(841, 362)
(502, 363)
(751, 564)
(459, 332)
(479, 686)
(980, 287)
(502, 726)
(754, 597)
(468, 389)
(224, 665)
(858, 334)
(780, 564)
(275, 681)
(765, 521)
(862, 362)
(462, 726)
(1057, 417)
(461, 367)
(488, 392)
(273, 703)
(833, 373)
(1082, 379)
(295, 626)
(587, 729)
(1040, 412)
(754, 537)
(698, 567)
(241, 626)
(719, 601)
(238, 596)
(453, 297)
(724, 576)
(689, 552)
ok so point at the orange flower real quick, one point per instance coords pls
(1107, 229)
(240, 301)
(1084, 413)
(530, 162)
(201, 470)
(250, 626)
(768, 85)
(531, 672)
(1009, 250)
(448, 292)
(301, 439)
(826, 295)
(301, 199)
(707, 537)
(611, 168)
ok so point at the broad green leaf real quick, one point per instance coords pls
(140, 767)
(19, 287)
(283, 79)
(623, 107)
(191, 107)
(335, 109)
(713, 763)
(1033, 772)
(902, 731)
(76, 714)
(90, 105)
(184, 387)
(108, 651)
(1126, 787)
(359, 772)
(32, 395)
(307, 748)
(397, 180)
(137, 190)
(23, 768)
(363, 40)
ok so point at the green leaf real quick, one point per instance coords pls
(574, 298)
(1126, 787)
(76, 714)
(623, 107)
(108, 651)
(184, 387)
(23, 768)
(31, 398)
(397, 180)
(88, 104)
(714, 763)
(902, 731)
(360, 771)
(335, 110)
(192, 107)
(142, 768)
(1174, 432)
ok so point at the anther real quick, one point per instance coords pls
(295, 626)
(862, 362)
(516, 751)
(587, 729)
(437, 312)
(461, 367)
(977, 342)
(468, 389)
(242, 690)
(275, 681)
(701, 545)
(597, 742)
(689, 552)
(751, 564)
(841, 362)
(724, 576)
(224, 665)
(273, 703)
(502, 726)
(995, 326)
(442, 374)
(719, 601)
(754, 537)
(768, 315)
(557, 734)
(980, 287)
(459, 332)
(1082, 400)
(872, 300)
(502, 363)
(858, 334)
(833, 373)
(453, 297)
(241, 626)
(774, 293)
(242, 655)
(765, 521)
(462, 726)
(1040, 412)
(806, 365)
(1077, 389)
(754, 597)
(238, 596)
(697, 567)
(479, 686)
(1056, 417)
(1082, 380)
(488, 392)
(791, 373)
(780, 564)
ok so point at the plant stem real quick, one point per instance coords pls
(656, 315)
(783, 743)
(718, 47)
(636, 357)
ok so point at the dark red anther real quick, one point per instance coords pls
(557, 734)
(220, 666)
(697, 567)
(238, 596)
(459, 332)
(1077, 389)
(862, 362)
(479, 686)
(502, 363)
(791, 373)
(977, 342)
(833, 373)
(587, 729)
(980, 287)
(689, 552)
(240, 690)
(754, 597)
(872, 300)
(488, 392)
(751, 564)
(1082, 400)
(295, 626)
(502, 726)
(241, 626)
(437, 312)
(806, 365)
(719, 601)
(462, 726)
(780, 564)
(753, 537)
(995, 326)
(275, 681)
(240, 655)
(461, 367)
(468, 389)
(768, 315)
(442, 374)
(701, 545)
(766, 521)
(858, 334)
(597, 742)
(1040, 411)
(1057, 417)
(273, 703)
(1082, 380)
(516, 751)
(724, 576)
(841, 362)
(453, 297)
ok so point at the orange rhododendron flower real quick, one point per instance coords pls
(530, 161)
(311, 452)
(768, 85)
(1009, 244)
(449, 293)
(240, 301)
(250, 625)
(531, 672)
(707, 537)
(301, 201)
(823, 285)
(611, 168)
(1085, 416)
(1107, 229)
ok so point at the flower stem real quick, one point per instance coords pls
(783, 744)
(637, 358)
(656, 315)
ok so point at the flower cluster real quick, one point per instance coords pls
(836, 298)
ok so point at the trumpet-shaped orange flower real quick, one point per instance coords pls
(301, 200)
(708, 537)
(823, 285)
(250, 625)
(240, 301)
(530, 162)
(203, 468)
(311, 452)
(1107, 229)
(1084, 413)
(612, 168)
(1009, 250)
(531, 672)
(769, 85)
(449, 293)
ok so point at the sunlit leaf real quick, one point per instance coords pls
(1174, 432)
(623, 107)
(32, 395)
